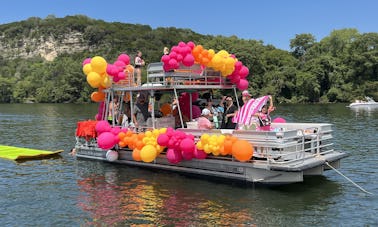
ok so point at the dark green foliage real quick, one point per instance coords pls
(338, 68)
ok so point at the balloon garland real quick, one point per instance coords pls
(188, 54)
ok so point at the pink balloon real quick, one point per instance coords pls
(243, 72)
(179, 57)
(119, 64)
(187, 145)
(121, 75)
(172, 62)
(165, 58)
(163, 140)
(181, 44)
(124, 58)
(86, 61)
(243, 84)
(187, 155)
(187, 50)
(174, 156)
(174, 49)
(188, 60)
(102, 126)
(115, 78)
(191, 45)
(172, 55)
(279, 120)
(106, 140)
(116, 130)
(238, 65)
(199, 154)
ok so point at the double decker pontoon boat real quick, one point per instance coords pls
(285, 154)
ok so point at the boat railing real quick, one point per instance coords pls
(195, 75)
(281, 147)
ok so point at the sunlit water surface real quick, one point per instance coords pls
(64, 191)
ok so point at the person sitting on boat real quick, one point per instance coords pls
(141, 113)
(263, 116)
(228, 114)
(204, 121)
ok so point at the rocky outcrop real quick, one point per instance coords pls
(47, 47)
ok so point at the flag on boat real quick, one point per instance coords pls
(244, 115)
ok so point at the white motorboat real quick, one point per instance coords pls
(282, 155)
(369, 102)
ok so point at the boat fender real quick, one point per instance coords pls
(111, 155)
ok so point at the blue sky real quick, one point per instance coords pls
(273, 22)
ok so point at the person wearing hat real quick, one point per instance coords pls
(203, 121)
(246, 96)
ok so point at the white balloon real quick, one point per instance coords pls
(111, 156)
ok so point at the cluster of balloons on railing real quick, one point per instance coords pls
(189, 54)
(100, 74)
(178, 144)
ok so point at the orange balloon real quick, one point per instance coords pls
(227, 146)
(121, 143)
(140, 136)
(139, 144)
(97, 96)
(242, 150)
(136, 155)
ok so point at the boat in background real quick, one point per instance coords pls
(369, 103)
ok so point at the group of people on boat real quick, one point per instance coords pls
(224, 117)
(221, 116)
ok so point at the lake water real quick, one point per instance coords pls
(64, 191)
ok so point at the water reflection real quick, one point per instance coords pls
(119, 195)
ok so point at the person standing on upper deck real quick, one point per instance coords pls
(139, 62)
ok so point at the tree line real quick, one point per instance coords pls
(339, 68)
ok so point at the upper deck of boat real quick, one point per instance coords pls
(194, 78)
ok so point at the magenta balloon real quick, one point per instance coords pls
(181, 44)
(172, 62)
(187, 50)
(187, 145)
(163, 140)
(279, 120)
(243, 84)
(179, 58)
(98, 117)
(174, 156)
(191, 44)
(119, 64)
(121, 75)
(188, 60)
(124, 58)
(187, 155)
(116, 130)
(243, 72)
(165, 58)
(109, 69)
(87, 61)
(235, 79)
(199, 154)
(166, 67)
(102, 126)
(174, 49)
(173, 55)
(106, 140)
(115, 78)
(238, 65)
